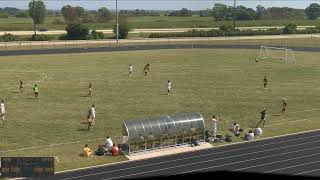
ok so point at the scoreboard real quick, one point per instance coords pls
(27, 166)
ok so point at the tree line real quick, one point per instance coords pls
(222, 12)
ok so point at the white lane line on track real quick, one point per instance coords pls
(291, 166)
(197, 157)
(306, 172)
(214, 166)
(276, 161)
(232, 144)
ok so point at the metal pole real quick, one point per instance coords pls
(117, 21)
(34, 18)
(234, 15)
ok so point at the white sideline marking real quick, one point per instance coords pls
(109, 164)
(202, 161)
(286, 122)
(305, 172)
(74, 142)
(218, 165)
(292, 166)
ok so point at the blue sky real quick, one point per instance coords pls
(159, 4)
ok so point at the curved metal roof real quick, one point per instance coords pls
(157, 127)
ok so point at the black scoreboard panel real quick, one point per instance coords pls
(27, 166)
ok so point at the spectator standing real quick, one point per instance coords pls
(214, 125)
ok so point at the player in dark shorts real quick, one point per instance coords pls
(265, 82)
(90, 88)
(284, 106)
(146, 69)
(262, 118)
(21, 86)
(89, 119)
(36, 91)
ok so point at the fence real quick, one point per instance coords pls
(303, 40)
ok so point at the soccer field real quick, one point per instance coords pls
(226, 82)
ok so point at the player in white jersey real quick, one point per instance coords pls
(169, 86)
(130, 70)
(93, 114)
(2, 112)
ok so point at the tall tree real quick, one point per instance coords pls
(39, 11)
(260, 10)
(69, 14)
(80, 11)
(124, 28)
(104, 15)
(313, 11)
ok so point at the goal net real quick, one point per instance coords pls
(284, 54)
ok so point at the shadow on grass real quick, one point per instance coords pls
(276, 114)
(15, 92)
(85, 96)
(83, 129)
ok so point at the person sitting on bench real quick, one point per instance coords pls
(194, 142)
(100, 151)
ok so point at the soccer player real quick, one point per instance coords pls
(2, 111)
(90, 88)
(89, 119)
(257, 59)
(146, 69)
(265, 82)
(130, 70)
(262, 118)
(93, 115)
(284, 106)
(169, 86)
(214, 125)
(36, 91)
(21, 86)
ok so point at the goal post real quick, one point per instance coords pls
(269, 52)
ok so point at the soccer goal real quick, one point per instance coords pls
(285, 54)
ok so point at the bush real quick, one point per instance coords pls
(290, 29)
(76, 31)
(7, 38)
(95, 35)
(124, 28)
(226, 28)
(40, 37)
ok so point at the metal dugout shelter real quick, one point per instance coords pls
(147, 134)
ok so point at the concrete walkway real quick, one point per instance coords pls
(168, 151)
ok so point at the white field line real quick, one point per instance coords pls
(213, 166)
(286, 122)
(90, 167)
(239, 155)
(75, 142)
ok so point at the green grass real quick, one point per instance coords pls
(225, 82)
(13, 23)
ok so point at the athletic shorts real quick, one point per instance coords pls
(36, 93)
